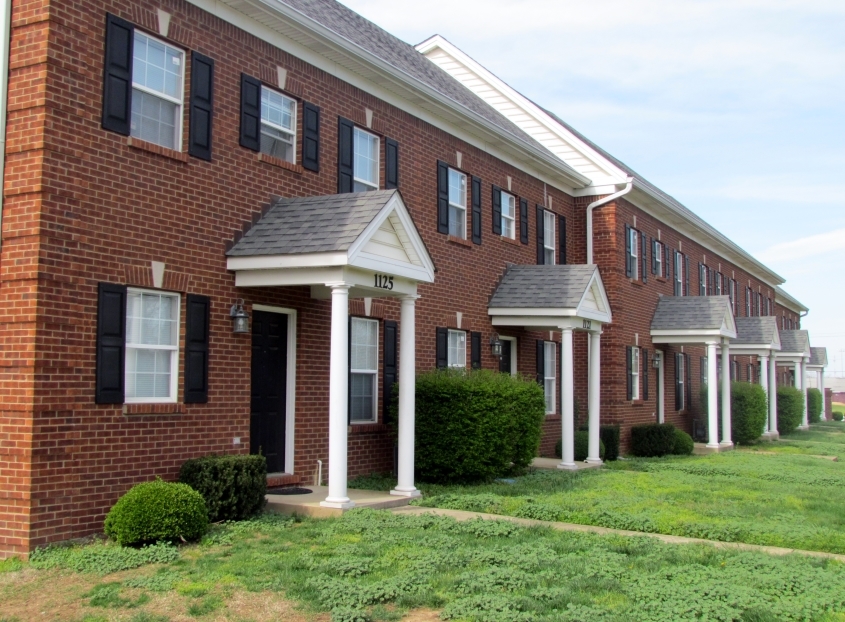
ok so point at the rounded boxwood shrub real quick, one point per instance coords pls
(582, 447)
(749, 407)
(814, 405)
(157, 512)
(475, 425)
(838, 416)
(683, 444)
(790, 409)
(652, 439)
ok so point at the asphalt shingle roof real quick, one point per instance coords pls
(690, 312)
(545, 287)
(794, 340)
(818, 356)
(312, 224)
(755, 330)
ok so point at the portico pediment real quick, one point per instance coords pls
(693, 320)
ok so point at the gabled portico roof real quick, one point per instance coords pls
(794, 344)
(818, 358)
(693, 320)
(756, 336)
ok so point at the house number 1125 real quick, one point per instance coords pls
(383, 281)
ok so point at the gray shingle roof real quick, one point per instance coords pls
(818, 356)
(794, 340)
(690, 312)
(755, 330)
(312, 224)
(545, 287)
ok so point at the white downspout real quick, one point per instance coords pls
(5, 40)
(599, 203)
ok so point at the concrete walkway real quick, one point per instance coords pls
(551, 464)
(461, 515)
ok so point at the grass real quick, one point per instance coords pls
(377, 566)
(838, 407)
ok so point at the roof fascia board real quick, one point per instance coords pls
(545, 165)
(294, 260)
(785, 300)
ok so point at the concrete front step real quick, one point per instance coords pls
(275, 480)
(701, 449)
(309, 504)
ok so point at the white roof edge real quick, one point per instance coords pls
(782, 297)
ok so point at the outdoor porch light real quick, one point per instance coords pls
(655, 360)
(496, 345)
(240, 318)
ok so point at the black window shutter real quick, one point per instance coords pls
(644, 367)
(442, 197)
(541, 229)
(476, 210)
(475, 352)
(629, 269)
(678, 403)
(541, 362)
(644, 261)
(497, 211)
(630, 373)
(442, 348)
(667, 259)
(310, 137)
(391, 163)
(686, 275)
(250, 113)
(345, 154)
(653, 256)
(202, 102)
(561, 225)
(117, 78)
(390, 365)
(197, 317)
(111, 343)
(523, 221)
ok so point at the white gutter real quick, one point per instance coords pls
(5, 40)
(599, 203)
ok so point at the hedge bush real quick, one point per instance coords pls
(157, 512)
(749, 409)
(233, 486)
(790, 409)
(838, 416)
(610, 437)
(652, 439)
(475, 425)
(814, 405)
(582, 447)
(684, 444)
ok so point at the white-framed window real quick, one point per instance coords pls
(363, 370)
(457, 351)
(635, 373)
(152, 346)
(658, 258)
(718, 283)
(457, 204)
(635, 253)
(679, 274)
(365, 169)
(681, 381)
(278, 125)
(549, 377)
(158, 71)
(549, 238)
(508, 216)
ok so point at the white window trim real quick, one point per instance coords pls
(174, 350)
(679, 273)
(369, 372)
(546, 246)
(635, 254)
(449, 364)
(658, 258)
(180, 102)
(462, 208)
(355, 178)
(294, 113)
(553, 377)
(635, 373)
(504, 197)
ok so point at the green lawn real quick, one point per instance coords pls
(372, 565)
(774, 494)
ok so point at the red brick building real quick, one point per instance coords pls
(173, 166)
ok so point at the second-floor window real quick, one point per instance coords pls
(658, 258)
(157, 92)
(366, 161)
(508, 216)
(679, 274)
(278, 125)
(549, 238)
(457, 204)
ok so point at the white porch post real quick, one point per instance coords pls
(407, 398)
(593, 448)
(821, 388)
(712, 398)
(764, 382)
(567, 405)
(338, 398)
(773, 397)
(726, 396)
(806, 423)
(661, 390)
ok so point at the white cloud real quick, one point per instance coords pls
(805, 247)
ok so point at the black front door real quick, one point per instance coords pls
(505, 360)
(269, 375)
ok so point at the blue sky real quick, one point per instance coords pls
(735, 107)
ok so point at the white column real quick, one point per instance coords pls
(764, 382)
(567, 403)
(661, 390)
(806, 423)
(773, 398)
(594, 449)
(407, 398)
(338, 399)
(726, 396)
(712, 398)
(821, 388)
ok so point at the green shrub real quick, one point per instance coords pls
(582, 446)
(233, 486)
(472, 425)
(814, 405)
(610, 437)
(749, 407)
(157, 512)
(652, 439)
(790, 409)
(838, 416)
(683, 444)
